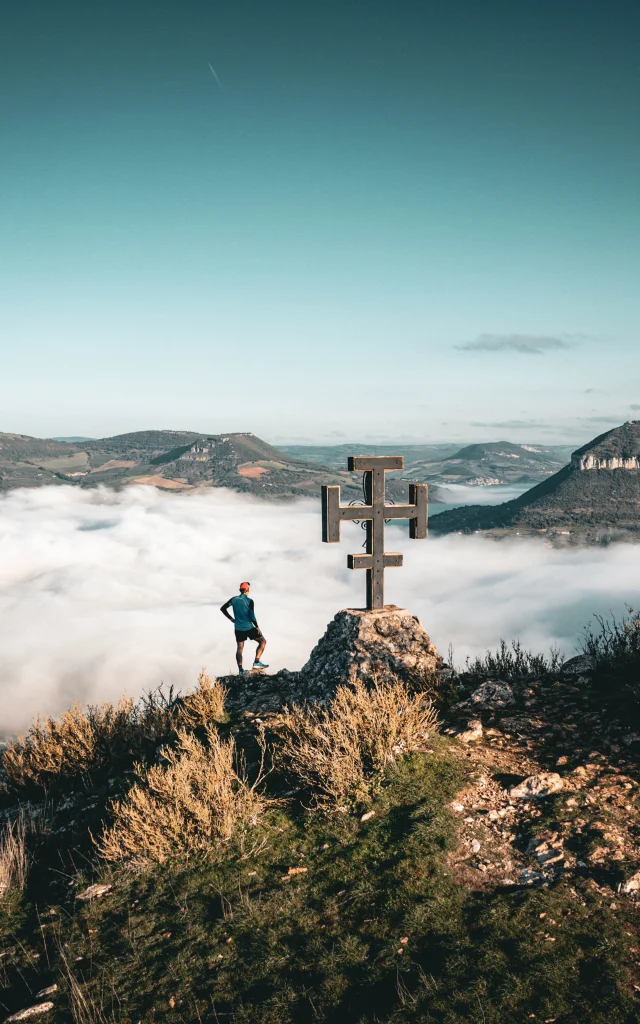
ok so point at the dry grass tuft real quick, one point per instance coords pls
(83, 741)
(196, 801)
(342, 751)
(204, 705)
(14, 863)
(83, 1008)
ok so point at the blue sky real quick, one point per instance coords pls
(401, 220)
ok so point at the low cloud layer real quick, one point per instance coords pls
(513, 425)
(524, 344)
(102, 592)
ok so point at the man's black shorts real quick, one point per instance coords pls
(248, 634)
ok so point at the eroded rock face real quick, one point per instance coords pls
(360, 644)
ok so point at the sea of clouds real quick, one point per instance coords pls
(103, 592)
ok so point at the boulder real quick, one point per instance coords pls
(360, 645)
(581, 665)
(494, 693)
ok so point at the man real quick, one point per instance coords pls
(246, 626)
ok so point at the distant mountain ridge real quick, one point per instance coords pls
(177, 460)
(484, 464)
(599, 488)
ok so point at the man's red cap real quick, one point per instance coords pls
(244, 586)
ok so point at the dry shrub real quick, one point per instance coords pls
(13, 857)
(204, 705)
(84, 741)
(196, 801)
(341, 752)
(78, 742)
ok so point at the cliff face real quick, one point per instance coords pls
(591, 461)
(615, 449)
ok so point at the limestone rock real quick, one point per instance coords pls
(46, 991)
(578, 666)
(537, 786)
(472, 732)
(494, 693)
(632, 884)
(94, 891)
(29, 1012)
(359, 644)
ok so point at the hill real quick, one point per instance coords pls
(174, 460)
(599, 490)
(336, 455)
(496, 462)
(386, 868)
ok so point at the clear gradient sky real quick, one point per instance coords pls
(377, 219)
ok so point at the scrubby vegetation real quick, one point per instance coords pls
(511, 661)
(195, 802)
(614, 648)
(340, 753)
(85, 742)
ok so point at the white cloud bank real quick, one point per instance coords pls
(102, 592)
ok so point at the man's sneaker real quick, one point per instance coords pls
(260, 664)
(241, 671)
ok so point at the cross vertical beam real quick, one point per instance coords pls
(374, 512)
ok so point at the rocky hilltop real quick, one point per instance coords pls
(596, 493)
(251, 854)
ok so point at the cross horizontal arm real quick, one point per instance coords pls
(362, 463)
(392, 560)
(400, 511)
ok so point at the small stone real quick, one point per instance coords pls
(404, 940)
(297, 871)
(535, 787)
(29, 1012)
(46, 991)
(94, 892)
(472, 733)
(367, 815)
(562, 760)
(475, 846)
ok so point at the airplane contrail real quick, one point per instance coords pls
(214, 75)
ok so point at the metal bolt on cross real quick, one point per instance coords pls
(374, 513)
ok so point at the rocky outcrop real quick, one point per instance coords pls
(361, 644)
(357, 645)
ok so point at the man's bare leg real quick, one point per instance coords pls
(260, 650)
(239, 650)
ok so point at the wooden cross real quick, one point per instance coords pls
(375, 561)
